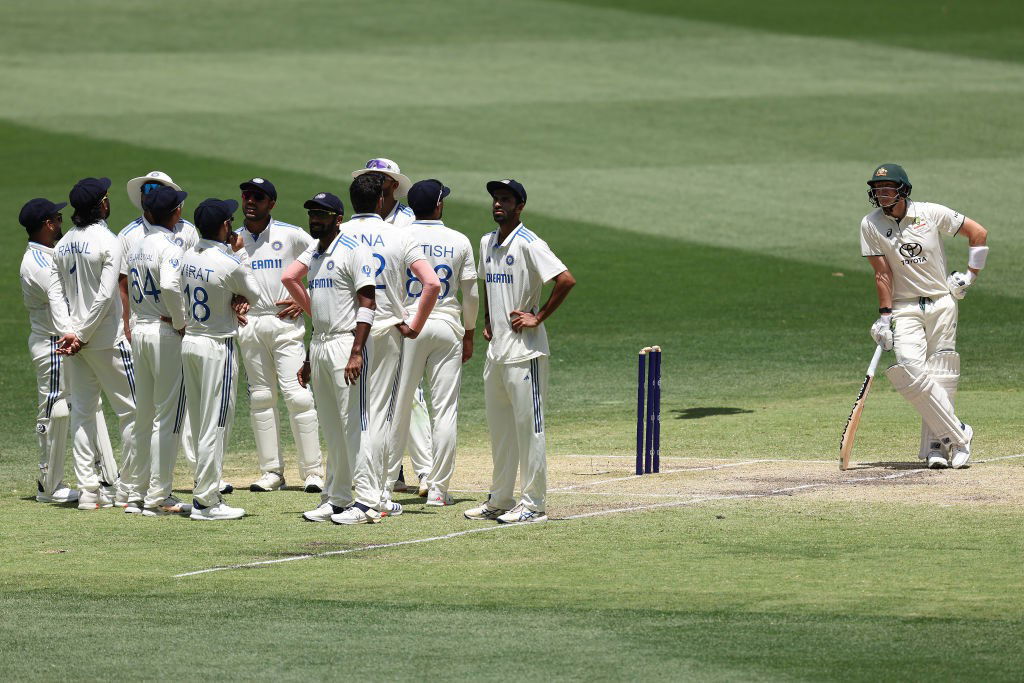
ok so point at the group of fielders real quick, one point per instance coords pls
(156, 317)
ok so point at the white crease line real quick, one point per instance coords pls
(1000, 457)
(583, 515)
(693, 457)
(637, 476)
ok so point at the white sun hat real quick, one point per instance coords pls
(134, 186)
(388, 168)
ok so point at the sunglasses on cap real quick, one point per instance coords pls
(254, 195)
(321, 212)
(149, 187)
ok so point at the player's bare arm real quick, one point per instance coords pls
(431, 290)
(292, 281)
(881, 330)
(977, 252)
(366, 298)
(126, 313)
(564, 282)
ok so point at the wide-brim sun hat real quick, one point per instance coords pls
(134, 186)
(388, 168)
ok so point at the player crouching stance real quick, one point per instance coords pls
(210, 277)
(918, 308)
(341, 303)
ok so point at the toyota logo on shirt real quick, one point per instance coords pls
(911, 250)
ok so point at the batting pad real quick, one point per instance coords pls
(930, 401)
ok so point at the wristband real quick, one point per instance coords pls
(976, 257)
(884, 310)
(365, 315)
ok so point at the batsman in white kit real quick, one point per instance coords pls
(42, 220)
(396, 186)
(158, 312)
(211, 275)
(446, 340)
(514, 265)
(86, 263)
(272, 344)
(918, 305)
(341, 302)
(397, 259)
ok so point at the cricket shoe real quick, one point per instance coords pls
(169, 506)
(960, 454)
(484, 513)
(226, 488)
(390, 509)
(270, 481)
(937, 461)
(401, 487)
(217, 512)
(314, 484)
(133, 507)
(322, 513)
(94, 500)
(356, 515)
(61, 494)
(424, 488)
(521, 514)
(439, 499)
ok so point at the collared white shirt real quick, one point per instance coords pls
(393, 253)
(210, 275)
(86, 265)
(267, 255)
(153, 283)
(185, 236)
(36, 271)
(400, 216)
(912, 247)
(514, 273)
(450, 254)
(334, 277)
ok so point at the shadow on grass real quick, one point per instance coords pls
(697, 413)
(901, 465)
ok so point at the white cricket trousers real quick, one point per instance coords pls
(53, 413)
(90, 371)
(343, 416)
(437, 353)
(420, 445)
(923, 326)
(210, 366)
(515, 395)
(160, 411)
(273, 351)
(385, 363)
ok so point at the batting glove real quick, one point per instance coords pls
(959, 282)
(881, 332)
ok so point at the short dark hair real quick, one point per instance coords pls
(161, 218)
(364, 192)
(210, 232)
(88, 215)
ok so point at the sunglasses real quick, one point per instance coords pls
(254, 195)
(377, 163)
(149, 187)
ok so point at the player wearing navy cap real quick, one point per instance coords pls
(86, 264)
(272, 343)
(211, 276)
(42, 220)
(514, 265)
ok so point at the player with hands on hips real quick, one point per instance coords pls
(272, 343)
(341, 302)
(212, 277)
(918, 305)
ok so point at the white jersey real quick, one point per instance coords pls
(514, 273)
(36, 271)
(153, 286)
(210, 276)
(334, 277)
(400, 216)
(912, 247)
(393, 253)
(450, 254)
(185, 236)
(267, 255)
(86, 264)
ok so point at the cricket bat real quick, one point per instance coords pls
(846, 443)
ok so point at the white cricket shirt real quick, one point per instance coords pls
(393, 253)
(400, 216)
(450, 254)
(36, 271)
(912, 247)
(267, 255)
(514, 273)
(86, 265)
(210, 276)
(185, 236)
(334, 277)
(153, 283)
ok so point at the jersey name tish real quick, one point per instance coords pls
(438, 250)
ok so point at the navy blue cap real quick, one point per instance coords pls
(88, 192)
(163, 200)
(213, 212)
(425, 195)
(261, 184)
(38, 210)
(325, 200)
(515, 187)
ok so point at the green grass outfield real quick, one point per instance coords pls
(700, 168)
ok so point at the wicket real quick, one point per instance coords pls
(648, 421)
